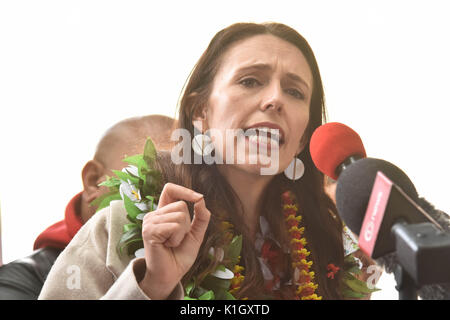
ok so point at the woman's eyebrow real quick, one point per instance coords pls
(265, 67)
(297, 78)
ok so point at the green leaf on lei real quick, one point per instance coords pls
(354, 270)
(221, 267)
(126, 176)
(357, 285)
(149, 153)
(352, 294)
(198, 291)
(133, 234)
(153, 205)
(137, 161)
(190, 286)
(234, 249)
(104, 200)
(228, 296)
(350, 261)
(129, 226)
(111, 182)
(352, 286)
(213, 283)
(132, 210)
(207, 296)
(152, 183)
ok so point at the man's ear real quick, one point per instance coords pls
(92, 174)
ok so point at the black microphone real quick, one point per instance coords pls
(355, 186)
(379, 202)
(334, 148)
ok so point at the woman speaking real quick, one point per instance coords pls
(222, 229)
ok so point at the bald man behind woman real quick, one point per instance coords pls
(23, 279)
(124, 139)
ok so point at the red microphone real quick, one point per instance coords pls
(334, 146)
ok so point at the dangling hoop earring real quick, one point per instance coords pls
(295, 170)
(202, 145)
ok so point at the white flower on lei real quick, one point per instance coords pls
(128, 189)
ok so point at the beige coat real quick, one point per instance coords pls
(90, 266)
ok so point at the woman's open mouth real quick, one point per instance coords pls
(264, 137)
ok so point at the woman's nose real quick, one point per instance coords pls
(273, 98)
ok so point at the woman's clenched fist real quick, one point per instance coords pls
(171, 239)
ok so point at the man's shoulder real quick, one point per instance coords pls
(23, 278)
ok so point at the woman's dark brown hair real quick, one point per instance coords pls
(323, 225)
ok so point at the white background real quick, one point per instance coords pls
(71, 69)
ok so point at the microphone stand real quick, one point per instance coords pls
(423, 254)
(406, 286)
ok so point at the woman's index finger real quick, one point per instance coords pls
(173, 192)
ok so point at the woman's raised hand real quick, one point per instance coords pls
(171, 240)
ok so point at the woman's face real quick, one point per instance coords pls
(262, 82)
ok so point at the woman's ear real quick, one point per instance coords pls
(92, 174)
(199, 123)
(199, 115)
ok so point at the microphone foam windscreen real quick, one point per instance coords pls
(355, 184)
(331, 144)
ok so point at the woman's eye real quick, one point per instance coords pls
(250, 82)
(296, 93)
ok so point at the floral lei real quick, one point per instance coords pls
(139, 186)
